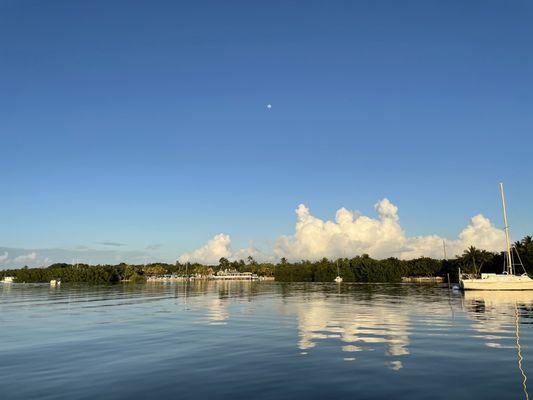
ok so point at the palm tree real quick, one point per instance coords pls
(475, 258)
(251, 260)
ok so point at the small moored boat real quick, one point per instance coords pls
(338, 279)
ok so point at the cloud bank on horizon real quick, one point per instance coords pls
(352, 234)
(25, 258)
(42, 257)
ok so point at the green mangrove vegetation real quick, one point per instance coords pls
(361, 268)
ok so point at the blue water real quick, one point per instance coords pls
(263, 340)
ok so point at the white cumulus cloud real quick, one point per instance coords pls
(26, 257)
(216, 248)
(4, 257)
(351, 234)
(211, 252)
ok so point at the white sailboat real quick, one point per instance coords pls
(508, 280)
(338, 279)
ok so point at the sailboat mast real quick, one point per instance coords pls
(508, 242)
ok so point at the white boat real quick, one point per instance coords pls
(55, 282)
(228, 274)
(508, 280)
(338, 279)
(497, 282)
(8, 279)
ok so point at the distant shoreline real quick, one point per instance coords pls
(356, 269)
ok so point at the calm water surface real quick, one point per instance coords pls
(263, 340)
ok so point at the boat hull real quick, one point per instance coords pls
(498, 282)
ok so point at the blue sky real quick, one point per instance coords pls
(144, 124)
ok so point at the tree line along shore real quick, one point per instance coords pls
(361, 268)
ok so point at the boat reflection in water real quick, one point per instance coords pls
(218, 296)
(497, 313)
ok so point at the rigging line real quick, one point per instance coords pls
(519, 259)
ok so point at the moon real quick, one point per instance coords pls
(269, 106)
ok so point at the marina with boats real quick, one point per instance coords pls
(222, 275)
